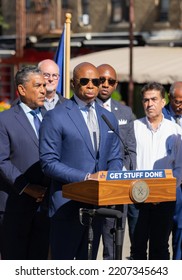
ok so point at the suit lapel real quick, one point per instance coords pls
(103, 132)
(23, 120)
(114, 108)
(80, 124)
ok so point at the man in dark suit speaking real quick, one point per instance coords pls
(75, 142)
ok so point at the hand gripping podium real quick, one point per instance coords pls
(124, 187)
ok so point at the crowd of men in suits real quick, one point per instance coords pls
(48, 141)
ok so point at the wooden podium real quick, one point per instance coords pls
(125, 187)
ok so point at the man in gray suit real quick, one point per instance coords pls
(125, 119)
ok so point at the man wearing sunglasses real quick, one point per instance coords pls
(125, 118)
(73, 149)
(173, 112)
(50, 71)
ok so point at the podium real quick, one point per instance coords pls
(124, 187)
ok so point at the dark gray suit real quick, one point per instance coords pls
(25, 225)
(125, 119)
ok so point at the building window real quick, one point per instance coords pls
(119, 11)
(85, 19)
(37, 5)
(30, 5)
(65, 4)
(163, 10)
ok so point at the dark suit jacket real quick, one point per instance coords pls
(178, 208)
(125, 118)
(25, 228)
(166, 112)
(19, 157)
(66, 151)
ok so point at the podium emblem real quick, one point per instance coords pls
(139, 191)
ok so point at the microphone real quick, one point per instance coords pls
(106, 212)
(111, 213)
(90, 212)
(108, 123)
(126, 150)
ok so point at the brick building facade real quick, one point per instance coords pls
(44, 16)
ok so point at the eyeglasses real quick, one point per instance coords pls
(48, 75)
(111, 82)
(85, 81)
(177, 102)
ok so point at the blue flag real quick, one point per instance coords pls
(59, 59)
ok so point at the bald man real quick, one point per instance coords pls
(50, 71)
(69, 153)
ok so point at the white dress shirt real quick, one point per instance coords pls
(159, 149)
(106, 104)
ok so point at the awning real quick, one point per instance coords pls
(160, 64)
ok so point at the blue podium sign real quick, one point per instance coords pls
(136, 174)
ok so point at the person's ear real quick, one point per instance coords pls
(163, 102)
(116, 84)
(72, 84)
(21, 90)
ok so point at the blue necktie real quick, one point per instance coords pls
(36, 119)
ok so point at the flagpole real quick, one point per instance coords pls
(67, 56)
(131, 84)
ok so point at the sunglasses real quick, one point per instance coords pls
(85, 81)
(48, 75)
(110, 81)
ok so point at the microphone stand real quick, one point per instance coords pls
(91, 213)
(106, 212)
(118, 239)
(90, 237)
